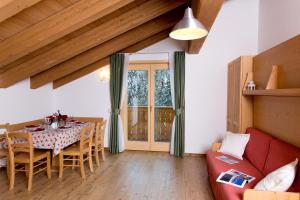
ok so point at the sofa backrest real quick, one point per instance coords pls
(280, 154)
(257, 148)
(267, 154)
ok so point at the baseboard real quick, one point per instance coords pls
(200, 155)
(195, 155)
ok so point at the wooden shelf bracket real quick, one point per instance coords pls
(273, 80)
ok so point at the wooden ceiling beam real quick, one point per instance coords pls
(100, 34)
(105, 61)
(9, 8)
(56, 26)
(101, 51)
(206, 12)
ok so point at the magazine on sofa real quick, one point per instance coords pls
(235, 178)
(227, 160)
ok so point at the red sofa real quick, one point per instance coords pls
(263, 154)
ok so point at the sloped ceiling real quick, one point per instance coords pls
(62, 40)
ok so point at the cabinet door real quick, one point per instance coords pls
(237, 96)
(230, 91)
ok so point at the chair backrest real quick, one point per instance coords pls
(99, 134)
(86, 137)
(19, 142)
(3, 129)
(19, 126)
(3, 152)
(89, 119)
(4, 126)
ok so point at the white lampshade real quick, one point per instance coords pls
(188, 28)
(104, 73)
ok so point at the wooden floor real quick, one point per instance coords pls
(130, 175)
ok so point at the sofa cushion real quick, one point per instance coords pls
(282, 153)
(258, 144)
(224, 191)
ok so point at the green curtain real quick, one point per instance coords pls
(116, 79)
(179, 94)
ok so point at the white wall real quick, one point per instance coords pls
(19, 103)
(87, 96)
(234, 33)
(279, 20)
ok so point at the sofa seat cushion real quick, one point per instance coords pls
(258, 144)
(280, 154)
(224, 191)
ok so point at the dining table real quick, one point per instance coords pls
(55, 139)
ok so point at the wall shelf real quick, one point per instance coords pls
(294, 92)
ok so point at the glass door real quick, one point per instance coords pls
(148, 115)
(162, 114)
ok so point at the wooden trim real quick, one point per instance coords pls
(9, 8)
(205, 11)
(215, 147)
(98, 35)
(199, 155)
(106, 49)
(250, 194)
(148, 62)
(103, 62)
(56, 26)
(293, 92)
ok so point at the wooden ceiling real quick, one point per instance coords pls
(62, 40)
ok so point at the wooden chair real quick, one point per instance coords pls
(98, 142)
(23, 158)
(4, 152)
(77, 152)
(19, 126)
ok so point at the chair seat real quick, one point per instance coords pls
(73, 150)
(24, 157)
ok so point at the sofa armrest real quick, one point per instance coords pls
(215, 147)
(250, 194)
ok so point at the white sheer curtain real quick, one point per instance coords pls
(124, 88)
(171, 69)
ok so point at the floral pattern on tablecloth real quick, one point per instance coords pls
(50, 138)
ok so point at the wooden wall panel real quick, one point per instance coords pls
(287, 56)
(279, 116)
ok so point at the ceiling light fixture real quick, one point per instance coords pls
(188, 28)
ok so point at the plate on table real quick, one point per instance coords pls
(38, 129)
(31, 126)
(64, 127)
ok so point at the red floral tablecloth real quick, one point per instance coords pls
(50, 138)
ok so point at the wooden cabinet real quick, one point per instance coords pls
(239, 107)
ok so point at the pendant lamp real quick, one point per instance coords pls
(188, 28)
